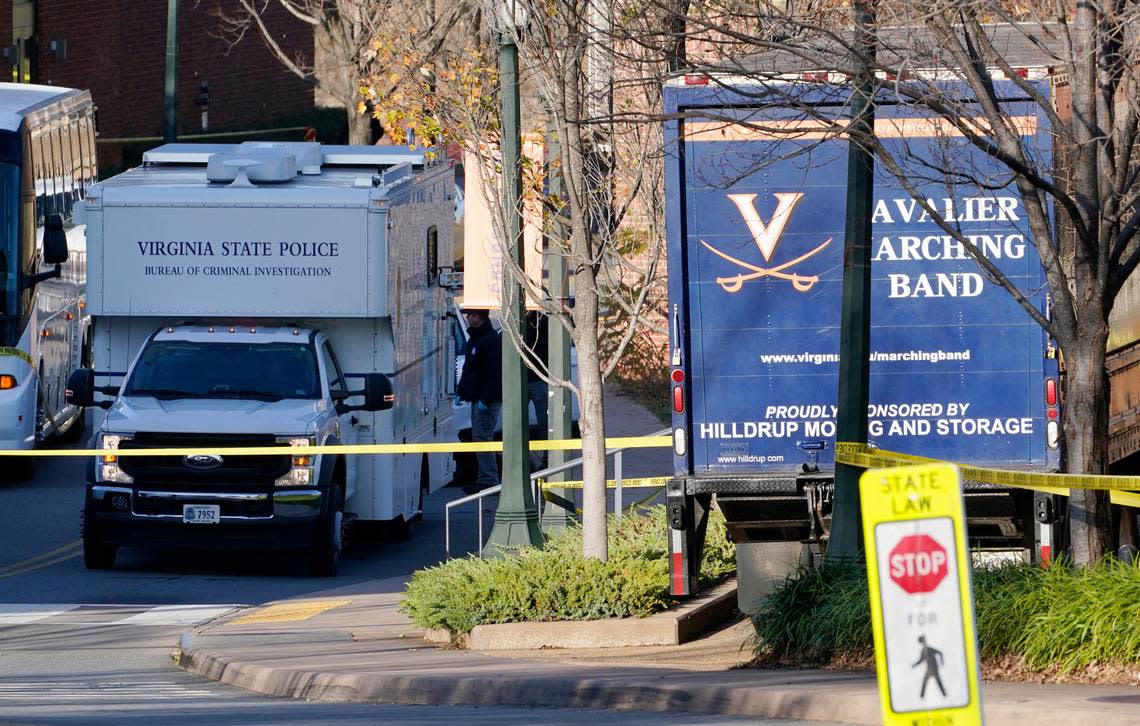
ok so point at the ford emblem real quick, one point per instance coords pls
(202, 462)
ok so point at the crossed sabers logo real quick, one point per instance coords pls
(767, 236)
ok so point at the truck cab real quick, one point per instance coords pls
(205, 386)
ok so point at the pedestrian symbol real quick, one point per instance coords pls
(933, 659)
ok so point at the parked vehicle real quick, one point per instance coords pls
(47, 164)
(959, 371)
(258, 295)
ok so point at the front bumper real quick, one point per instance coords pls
(150, 515)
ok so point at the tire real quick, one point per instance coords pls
(97, 554)
(425, 474)
(329, 541)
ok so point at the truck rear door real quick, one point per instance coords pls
(958, 368)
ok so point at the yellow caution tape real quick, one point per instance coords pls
(16, 353)
(631, 483)
(620, 442)
(867, 457)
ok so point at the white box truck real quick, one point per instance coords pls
(265, 294)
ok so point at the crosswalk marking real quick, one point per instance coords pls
(87, 691)
(177, 614)
(24, 614)
(15, 614)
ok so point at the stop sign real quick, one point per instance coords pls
(918, 563)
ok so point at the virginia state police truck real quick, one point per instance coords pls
(260, 295)
(756, 195)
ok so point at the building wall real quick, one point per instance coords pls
(117, 50)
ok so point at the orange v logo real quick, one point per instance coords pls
(767, 236)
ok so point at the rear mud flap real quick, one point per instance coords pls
(688, 516)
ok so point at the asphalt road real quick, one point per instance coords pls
(93, 647)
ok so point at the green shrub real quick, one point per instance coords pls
(557, 583)
(1062, 616)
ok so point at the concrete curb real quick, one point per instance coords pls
(824, 696)
(600, 692)
(803, 695)
(672, 627)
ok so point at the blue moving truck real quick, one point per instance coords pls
(755, 198)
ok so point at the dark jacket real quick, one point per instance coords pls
(482, 377)
(537, 341)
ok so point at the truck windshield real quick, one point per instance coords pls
(189, 369)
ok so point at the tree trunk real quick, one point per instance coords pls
(595, 542)
(359, 125)
(594, 539)
(1086, 436)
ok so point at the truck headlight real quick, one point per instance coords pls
(300, 472)
(109, 469)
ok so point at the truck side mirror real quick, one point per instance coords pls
(80, 389)
(378, 392)
(55, 240)
(378, 395)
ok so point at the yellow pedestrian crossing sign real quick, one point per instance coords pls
(922, 604)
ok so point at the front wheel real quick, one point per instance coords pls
(330, 537)
(97, 554)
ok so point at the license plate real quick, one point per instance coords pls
(201, 513)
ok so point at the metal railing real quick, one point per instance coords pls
(535, 481)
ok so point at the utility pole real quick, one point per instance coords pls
(855, 325)
(170, 118)
(516, 520)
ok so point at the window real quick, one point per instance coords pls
(332, 370)
(432, 256)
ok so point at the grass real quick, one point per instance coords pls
(557, 583)
(1059, 619)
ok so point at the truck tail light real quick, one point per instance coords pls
(678, 377)
(1051, 391)
(1052, 434)
(7, 382)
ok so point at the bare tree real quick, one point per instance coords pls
(604, 192)
(954, 59)
(342, 34)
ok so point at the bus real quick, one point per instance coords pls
(47, 162)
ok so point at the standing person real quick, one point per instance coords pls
(536, 389)
(481, 383)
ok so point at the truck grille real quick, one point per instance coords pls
(170, 507)
(253, 469)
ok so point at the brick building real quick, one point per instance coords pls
(117, 50)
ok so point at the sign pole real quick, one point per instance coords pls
(922, 604)
(855, 317)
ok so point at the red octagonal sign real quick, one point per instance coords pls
(918, 563)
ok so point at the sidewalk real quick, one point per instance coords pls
(363, 649)
(352, 644)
